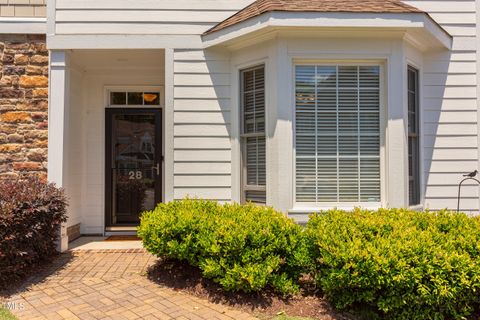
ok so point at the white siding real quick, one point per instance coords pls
(449, 118)
(158, 17)
(202, 147)
(74, 147)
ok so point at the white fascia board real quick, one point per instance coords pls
(114, 41)
(438, 33)
(347, 21)
(236, 31)
(16, 25)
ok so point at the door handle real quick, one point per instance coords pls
(157, 168)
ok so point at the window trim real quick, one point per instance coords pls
(419, 160)
(244, 187)
(298, 206)
(119, 88)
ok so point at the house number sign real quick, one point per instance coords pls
(135, 175)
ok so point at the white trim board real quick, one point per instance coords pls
(16, 25)
(115, 41)
(418, 27)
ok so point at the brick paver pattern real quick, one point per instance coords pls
(109, 285)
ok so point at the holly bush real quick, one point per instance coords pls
(242, 247)
(389, 263)
(400, 264)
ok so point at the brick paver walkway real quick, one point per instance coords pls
(109, 285)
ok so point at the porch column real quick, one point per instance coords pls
(57, 116)
(168, 121)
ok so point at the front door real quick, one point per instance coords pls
(133, 164)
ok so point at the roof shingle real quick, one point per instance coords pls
(357, 6)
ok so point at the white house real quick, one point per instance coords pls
(299, 104)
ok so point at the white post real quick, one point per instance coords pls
(280, 128)
(169, 128)
(57, 123)
(397, 143)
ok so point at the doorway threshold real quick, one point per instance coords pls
(121, 230)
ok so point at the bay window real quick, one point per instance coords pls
(337, 134)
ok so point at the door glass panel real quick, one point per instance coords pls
(135, 166)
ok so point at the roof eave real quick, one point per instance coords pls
(420, 27)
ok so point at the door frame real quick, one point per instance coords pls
(159, 186)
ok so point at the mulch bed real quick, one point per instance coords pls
(183, 277)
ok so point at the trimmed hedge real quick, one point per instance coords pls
(399, 263)
(31, 212)
(243, 248)
(390, 263)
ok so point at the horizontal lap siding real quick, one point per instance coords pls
(449, 107)
(202, 156)
(179, 17)
(202, 147)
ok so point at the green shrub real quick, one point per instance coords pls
(401, 264)
(241, 247)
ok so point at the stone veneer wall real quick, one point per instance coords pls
(23, 105)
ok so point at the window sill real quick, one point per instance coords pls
(308, 209)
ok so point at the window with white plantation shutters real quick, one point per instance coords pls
(413, 138)
(337, 134)
(253, 134)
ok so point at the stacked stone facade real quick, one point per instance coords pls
(23, 105)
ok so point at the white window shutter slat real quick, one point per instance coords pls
(253, 134)
(337, 133)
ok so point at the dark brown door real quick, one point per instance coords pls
(133, 164)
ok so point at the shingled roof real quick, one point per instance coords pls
(260, 7)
